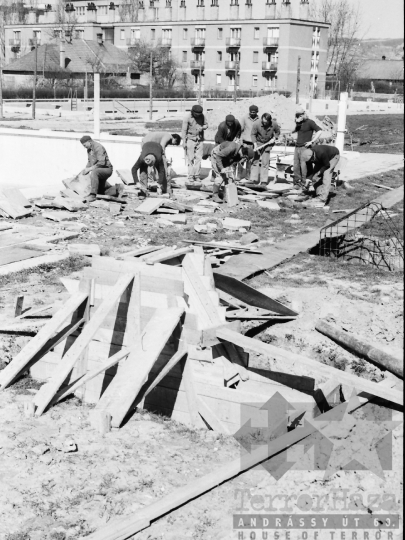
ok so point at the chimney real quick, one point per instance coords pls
(62, 53)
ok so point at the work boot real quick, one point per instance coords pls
(90, 198)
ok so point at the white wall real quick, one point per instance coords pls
(33, 159)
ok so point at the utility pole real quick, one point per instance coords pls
(235, 92)
(35, 79)
(199, 82)
(150, 87)
(86, 91)
(1, 88)
(97, 105)
(297, 96)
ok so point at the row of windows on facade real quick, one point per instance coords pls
(269, 82)
(236, 33)
(232, 57)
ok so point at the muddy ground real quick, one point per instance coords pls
(48, 492)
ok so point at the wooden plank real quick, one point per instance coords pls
(126, 176)
(113, 265)
(16, 197)
(123, 528)
(140, 251)
(14, 210)
(211, 418)
(5, 226)
(383, 187)
(31, 312)
(16, 254)
(86, 286)
(14, 368)
(47, 392)
(290, 360)
(191, 394)
(200, 291)
(132, 375)
(224, 245)
(361, 345)
(149, 206)
(174, 360)
(18, 305)
(85, 378)
(160, 257)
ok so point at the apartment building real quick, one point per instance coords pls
(253, 43)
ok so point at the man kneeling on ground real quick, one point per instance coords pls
(100, 169)
(151, 158)
(322, 160)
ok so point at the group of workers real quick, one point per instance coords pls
(247, 142)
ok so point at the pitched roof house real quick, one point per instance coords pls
(382, 70)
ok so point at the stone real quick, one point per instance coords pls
(162, 223)
(233, 224)
(249, 238)
(40, 449)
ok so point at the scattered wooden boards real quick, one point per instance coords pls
(11, 207)
(149, 206)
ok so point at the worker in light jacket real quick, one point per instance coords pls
(192, 133)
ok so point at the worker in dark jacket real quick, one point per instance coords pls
(100, 169)
(228, 130)
(265, 131)
(151, 158)
(321, 160)
(227, 154)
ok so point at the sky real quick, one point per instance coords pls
(382, 18)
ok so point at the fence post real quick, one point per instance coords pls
(341, 123)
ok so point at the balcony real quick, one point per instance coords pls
(198, 43)
(166, 42)
(231, 65)
(15, 42)
(133, 42)
(269, 66)
(270, 43)
(233, 43)
(196, 65)
(34, 42)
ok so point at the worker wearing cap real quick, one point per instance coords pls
(192, 133)
(151, 158)
(228, 153)
(322, 160)
(100, 169)
(264, 132)
(307, 134)
(228, 130)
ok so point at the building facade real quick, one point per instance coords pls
(256, 43)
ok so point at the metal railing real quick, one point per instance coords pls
(166, 42)
(233, 42)
(270, 42)
(231, 65)
(198, 42)
(15, 42)
(34, 42)
(196, 64)
(269, 66)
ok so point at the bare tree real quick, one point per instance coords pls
(11, 12)
(344, 17)
(66, 21)
(128, 10)
(165, 69)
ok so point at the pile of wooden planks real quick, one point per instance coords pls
(13, 204)
(156, 336)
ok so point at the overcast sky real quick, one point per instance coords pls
(382, 18)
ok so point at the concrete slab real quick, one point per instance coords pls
(361, 165)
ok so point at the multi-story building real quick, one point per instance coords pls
(256, 43)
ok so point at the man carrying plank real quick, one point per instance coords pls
(151, 158)
(100, 169)
(264, 134)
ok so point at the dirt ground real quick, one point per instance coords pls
(50, 493)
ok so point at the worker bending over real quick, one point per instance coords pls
(322, 160)
(192, 133)
(151, 158)
(227, 154)
(100, 169)
(163, 138)
(307, 134)
(228, 130)
(264, 132)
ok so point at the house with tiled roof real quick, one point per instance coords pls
(382, 70)
(71, 60)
